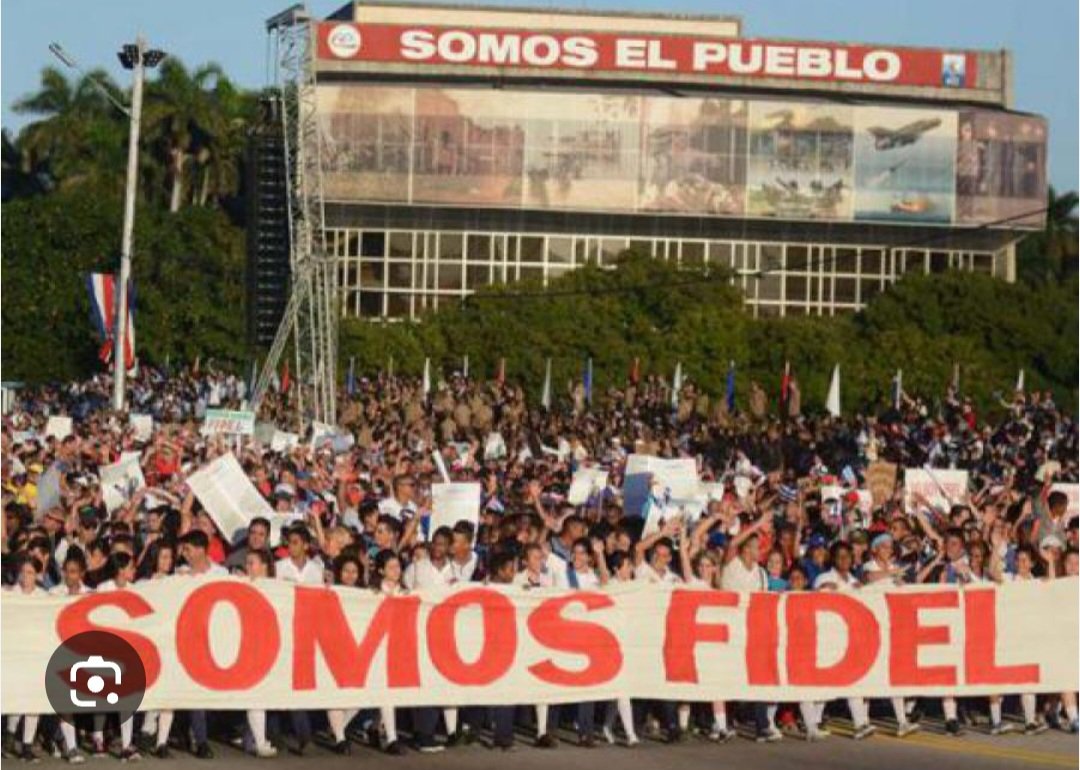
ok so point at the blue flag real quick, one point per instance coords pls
(350, 378)
(730, 394)
(587, 380)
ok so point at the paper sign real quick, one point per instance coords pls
(58, 428)
(866, 502)
(321, 433)
(228, 496)
(1072, 491)
(586, 482)
(228, 421)
(48, 486)
(940, 487)
(494, 447)
(454, 502)
(120, 481)
(283, 441)
(675, 480)
(143, 425)
(264, 432)
(832, 492)
(881, 481)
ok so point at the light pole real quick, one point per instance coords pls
(137, 58)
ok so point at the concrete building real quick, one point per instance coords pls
(468, 145)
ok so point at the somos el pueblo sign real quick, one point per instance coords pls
(228, 643)
(612, 52)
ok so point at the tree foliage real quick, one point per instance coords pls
(664, 315)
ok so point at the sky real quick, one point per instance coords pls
(1042, 34)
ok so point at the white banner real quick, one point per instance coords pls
(121, 480)
(586, 482)
(58, 427)
(229, 643)
(142, 425)
(676, 479)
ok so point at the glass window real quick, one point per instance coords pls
(873, 261)
(450, 246)
(915, 262)
(531, 272)
(400, 275)
(768, 311)
(401, 245)
(349, 243)
(982, 263)
(371, 303)
(641, 247)
(477, 275)
(847, 261)
(373, 244)
(939, 261)
(532, 249)
(560, 251)
(795, 290)
(612, 248)
(554, 271)
(693, 253)
(869, 289)
(399, 305)
(720, 254)
(449, 275)
(769, 286)
(371, 274)
(844, 290)
(798, 258)
(772, 256)
(479, 248)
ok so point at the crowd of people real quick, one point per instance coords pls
(361, 504)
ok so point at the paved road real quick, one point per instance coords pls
(929, 748)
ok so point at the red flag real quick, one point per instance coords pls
(635, 371)
(500, 374)
(785, 383)
(285, 378)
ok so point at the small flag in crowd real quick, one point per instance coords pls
(635, 371)
(500, 373)
(785, 385)
(676, 385)
(898, 388)
(253, 379)
(789, 493)
(427, 377)
(350, 378)
(285, 380)
(587, 380)
(730, 393)
(956, 378)
(849, 477)
(832, 402)
(545, 394)
(465, 367)
(102, 288)
(390, 367)
(1020, 382)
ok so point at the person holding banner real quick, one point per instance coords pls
(73, 572)
(28, 571)
(348, 573)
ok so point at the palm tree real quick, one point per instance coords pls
(78, 135)
(180, 118)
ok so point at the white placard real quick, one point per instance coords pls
(143, 425)
(58, 427)
(321, 433)
(454, 502)
(832, 492)
(120, 481)
(940, 487)
(586, 482)
(232, 422)
(436, 455)
(283, 441)
(494, 447)
(228, 496)
(676, 481)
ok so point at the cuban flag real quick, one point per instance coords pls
(102, 288)
(729, 395)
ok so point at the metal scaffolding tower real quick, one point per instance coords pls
(311, 315)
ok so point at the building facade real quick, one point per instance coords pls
(489, 145)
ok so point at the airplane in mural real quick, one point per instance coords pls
(890, 138)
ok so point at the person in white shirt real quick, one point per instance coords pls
(654, 554)
(74, 570)
(402, 503)
(743, 572)
(534, 572)
(258, 565)
(297, 566)
(430, 566)
(463, 560)
(122, 567)
(621, 570)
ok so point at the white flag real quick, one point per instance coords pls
(465, 367)
(1020, 382)
(545, 395)
(832, 401)
(427, 377)
(676, 385)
